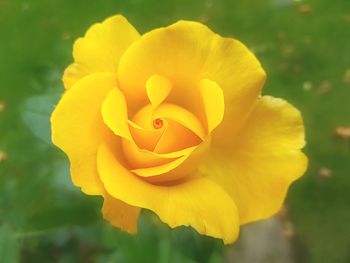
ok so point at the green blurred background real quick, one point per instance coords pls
(304, 47)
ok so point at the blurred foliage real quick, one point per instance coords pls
(305, 49)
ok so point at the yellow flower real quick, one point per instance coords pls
(173, 121)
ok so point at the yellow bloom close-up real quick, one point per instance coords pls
(173, 121)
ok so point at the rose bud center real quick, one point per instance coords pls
(158, 123)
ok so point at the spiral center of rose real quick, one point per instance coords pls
(163, 129)
(158, 123)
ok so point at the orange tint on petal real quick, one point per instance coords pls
(182, 116)
(175, 133)
(177, 169)
(175, 138)
(141, 158)
(145, 138)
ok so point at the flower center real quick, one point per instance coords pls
(158, 123)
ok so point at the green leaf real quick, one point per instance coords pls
(36, 115)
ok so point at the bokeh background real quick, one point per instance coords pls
(304, 46)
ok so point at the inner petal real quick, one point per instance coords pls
(213, 101)
(157, 88)
(169, 111)
(166, 129)
(145, 138)
(145, 130)
(176, 137)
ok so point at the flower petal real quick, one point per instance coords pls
(120, 214)
(77, 128)
(158, 88)
(185, 53)
(175, 138)
(176, 169)
(115, 113)
(100, 49)
(257, 166)
(141, 158)
(187, 203)
(181, 116)
(214, 105)
(145, 138)
(160, 169)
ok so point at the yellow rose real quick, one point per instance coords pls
(173, 121)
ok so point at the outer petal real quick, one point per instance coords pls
(257, 166)
(197, 202)
(185, 53)
(77, 128)
(120, 214)
(100, 49)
